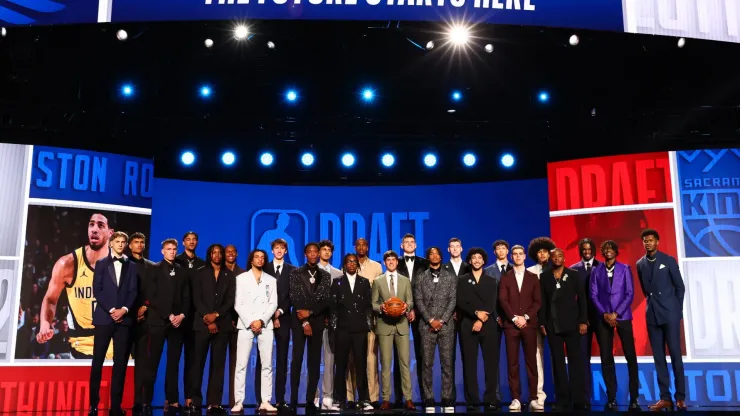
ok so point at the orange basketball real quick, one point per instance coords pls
(395, 307)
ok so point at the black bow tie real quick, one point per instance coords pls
(408, 258)
(121, 259)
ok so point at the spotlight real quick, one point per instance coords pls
(681, 42)
(507, 160)
(187, 158)
(543, 97)
(208, 43)
(489, 48)
(469, 160)
(387, 160)
(430, 160)
(241, 32)
(205, 91)
(456, 96)
(228, 158)
(3, 32)
(122, 35)
(348, 159)
(127, 90)
(291, 96)
(430, 45)
(271, 45)
(574, 40)
(459, 35)
(368, 94)
(266, 159)
(307, 159)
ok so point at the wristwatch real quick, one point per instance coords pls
(304, 324)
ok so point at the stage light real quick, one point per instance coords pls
(387, 160)
(266, 159)
(205, 91)
(291, 96)
(241, 32)
(456, 96)
(451, 110)
(430, 45)
(507, 160)
(307, 159)
(681, 42)
(127, 90)
(271, 45)
(459, 35)
(574, 40)
(187, 158)
(208, 43)
(348, 159)
(3, 32)
(543, 97)
(368, 94)
(122, 35)
(489, 48)
(469, 160)
(228, 158)
(430, 160)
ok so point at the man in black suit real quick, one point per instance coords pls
(230, 263)
(498, 269)
(310, 295)
(213, 292)
(190, 262)
(351, 320)
(280, 270)
(167, 300)
(115, 287)
(410, 266)
(136, 245)
(562, 319)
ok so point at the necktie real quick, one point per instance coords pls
(393, 287)
(408, 258)
(588, 267)
(503, 268)
(277, 271)
(118, 259)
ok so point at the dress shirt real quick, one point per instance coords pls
(536, 269)
(352, 278)
(281, 264)
(118, 266)
(499, 264)
(519, 278)
(370, 269)
(456, 265)
(590, 263)
(410, 263)
(394, 276)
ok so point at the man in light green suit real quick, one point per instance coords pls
(390, 330)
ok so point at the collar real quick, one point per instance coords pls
(352, 276)
(277, 263)
(499, 264)
(114, 257)
(388, 273)
(459, 261)
(590, 262)
(327, 267)
(410, 255)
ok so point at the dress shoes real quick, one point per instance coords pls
(386, 405)
(610, 406)
(410, 406)
(634, 406)
(681, 405)
(93, 411)
(491, 407)
(661, 405)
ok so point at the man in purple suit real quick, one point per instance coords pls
(612, 292)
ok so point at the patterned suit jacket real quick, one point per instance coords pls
(436, 300)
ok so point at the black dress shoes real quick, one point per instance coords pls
(634, 406)
(491, 407)
(472, 408)
(93, 411)
(610, 406)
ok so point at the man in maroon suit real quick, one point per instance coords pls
(520, 298)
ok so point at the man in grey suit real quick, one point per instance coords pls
(392, 331)
(497, 269)
(435, 297)
(326, 250)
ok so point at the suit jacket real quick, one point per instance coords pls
(494, 271)
(464, 268)
(585, 276)
(212, 295)
(436, 300)
(420, 266)
(255, 301)
(519, 303)
(141, 273)
(191, 267)
(351, 310)
(316, 299)
(283, 293)
(387, 325)
(480, 296)
(111, 295)
(616, 297)
(166, 295)
(563, 308)
(663, 287)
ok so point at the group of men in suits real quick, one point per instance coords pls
(203, 306)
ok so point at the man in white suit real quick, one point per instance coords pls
(326, 250)
(256, 302)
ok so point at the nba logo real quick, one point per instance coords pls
(288, 224)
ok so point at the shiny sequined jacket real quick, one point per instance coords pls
(314, 297)
(351, 310)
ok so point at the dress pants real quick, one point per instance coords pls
(140, 335)
(528, 338)
(541, 396)
(282, 344)
(233, 342)
(372, 371)
(605, 336)
(244, 349)
(570, 380)
(313, 363)
(445, 339)
(660, 336)
(217, 343)
(497, 380)
(188, 345)
(487, 339)
(103, 334)
(156, 336)
(327, 379)
(356, 343)
(418, 358)
(587, 350)
(387, 345)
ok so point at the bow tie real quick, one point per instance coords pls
(121, 259)
(408, 258)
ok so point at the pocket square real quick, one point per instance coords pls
(662, 266)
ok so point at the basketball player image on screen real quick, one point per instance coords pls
(72, 276)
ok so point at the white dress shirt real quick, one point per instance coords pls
(590, 263)
(410, 264)
(352, 279)
(276, 264)
(536, 269)
(394, 276)
(499, 264)
(456, 265)
(118, 266)
(519, 278)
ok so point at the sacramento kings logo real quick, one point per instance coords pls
(710, 202)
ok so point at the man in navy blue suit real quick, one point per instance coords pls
(497, 269)
(115, 287)
(663, 287)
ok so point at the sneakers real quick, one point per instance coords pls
(515, 405)
(535, 405)
(430, 409)
(448, 409)
(237, 408)
(327, 404)
(266, 406)
(366, 406)
(541, 397)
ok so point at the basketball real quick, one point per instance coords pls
(395, 307)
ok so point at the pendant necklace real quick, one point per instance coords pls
(312, 279)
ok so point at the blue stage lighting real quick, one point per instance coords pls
(291, 96)
(430, 160)
(507, 160)
(228, 158)
(388, 160)
(543, 97)
(469, 160)
(127, 90)
(368, 94)
(187, 158)
(456, 96)
(307, 159)
(266, 159)
(205, 91)
(348, 159)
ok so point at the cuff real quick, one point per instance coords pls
(125, 308)
(281, 312)
(111, 310)
(514, 319)
(526, 316)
